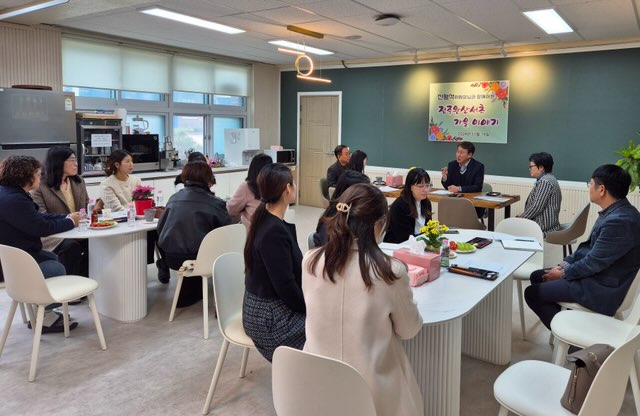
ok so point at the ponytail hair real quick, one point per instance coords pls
(359, 208)
(272, 182)
(117, 156)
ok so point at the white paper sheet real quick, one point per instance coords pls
(385, 188)
(491, 198)
(521, 244)
(441, 192)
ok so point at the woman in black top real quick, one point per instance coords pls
(412, 209)
(346, 180)
(274, 309)
(358, 161)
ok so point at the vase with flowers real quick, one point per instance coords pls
(432, 235)
(142, 196)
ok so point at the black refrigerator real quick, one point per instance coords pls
(32, 121)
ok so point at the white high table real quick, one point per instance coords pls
(462, 315)
(118, 261)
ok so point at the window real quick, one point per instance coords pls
(189, 97)
(145, 96)
(90, 92)
(230, 100)
(188, 134)
(219, 126)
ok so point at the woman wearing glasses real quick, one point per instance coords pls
(63, 191)
(412, 209)
(543, 202)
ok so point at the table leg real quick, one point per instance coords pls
(486, 330)
(435, 357)
(119, 264)
(491, 214)
(507, 211)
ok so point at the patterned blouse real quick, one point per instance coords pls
(543, 203)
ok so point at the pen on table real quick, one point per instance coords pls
(523, 239)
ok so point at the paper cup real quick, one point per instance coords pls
(149, 214)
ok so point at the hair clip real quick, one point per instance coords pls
(344, 207)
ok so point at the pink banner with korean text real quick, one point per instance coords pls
(474, 111)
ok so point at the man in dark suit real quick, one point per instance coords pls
(600, 272)
(343, 156)
(465, 174)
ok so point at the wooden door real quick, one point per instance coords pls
(318, 137)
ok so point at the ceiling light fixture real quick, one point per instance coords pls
(183, 18)
(28, 8)
(298, 47)
(290, 51)
(326, 81)
(387, 19)
(304, 31)
(549, 21)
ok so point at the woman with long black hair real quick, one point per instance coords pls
(412, 210)
(63, 191)
(273, 310)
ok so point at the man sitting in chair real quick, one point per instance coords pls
(465, 174)
(334, 171)
(600, 272)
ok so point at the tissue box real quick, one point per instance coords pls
(417, 275)
(394, 180)
(428, 261)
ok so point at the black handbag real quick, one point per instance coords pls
(584, 366)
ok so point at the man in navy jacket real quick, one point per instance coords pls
(465, 174)
(600, 272)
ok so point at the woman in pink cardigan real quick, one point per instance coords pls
(359, 303)
(247, 197)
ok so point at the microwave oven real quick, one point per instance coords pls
(144, 149)
(282, 156)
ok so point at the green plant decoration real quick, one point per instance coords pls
(631, 162)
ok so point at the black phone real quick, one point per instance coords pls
(493, 194)
(480, 242)
(451, 232)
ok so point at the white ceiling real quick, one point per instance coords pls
(426, 26)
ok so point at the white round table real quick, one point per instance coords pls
(118, 261)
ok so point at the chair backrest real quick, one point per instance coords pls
(228, 289)
(310, 243)
(523, 227)
(486, 187)
(632, 300)
(290, 215)
(574, 231)
(610, 384)
(308, 384)
(230, 238)
(324, 190)
(458, 213)
(23, 278)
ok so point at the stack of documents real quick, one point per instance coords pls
(521, 244)
(491, 198)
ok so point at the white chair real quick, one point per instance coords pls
(26, 284)
(459, 213)
(582, 328)
(534, 388)
(228, 289)
(230, 238)
(523, 227)
(338, 389)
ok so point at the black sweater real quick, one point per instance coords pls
(401, 223)
(276, 270)
(470, 181)
(21, 223)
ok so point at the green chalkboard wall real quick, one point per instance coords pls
(579, 107)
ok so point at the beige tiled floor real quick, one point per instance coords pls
(154, 367)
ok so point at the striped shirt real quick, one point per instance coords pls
(543, 203)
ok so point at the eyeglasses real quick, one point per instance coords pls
(532, 166)
(72, 160)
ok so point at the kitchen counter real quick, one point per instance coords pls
(89, 180)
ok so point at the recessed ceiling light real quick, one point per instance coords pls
(32, 7)
(299, 47)
(549, 21)
(183, 18)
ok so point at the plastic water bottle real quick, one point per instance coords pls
(159, 198)
(131, 215)
(83, 223)
(444, 254)
(90, 206)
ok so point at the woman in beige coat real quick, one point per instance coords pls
(359, 303)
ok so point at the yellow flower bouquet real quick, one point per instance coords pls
(432, 235)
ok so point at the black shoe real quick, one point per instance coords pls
(57, 326)
(78, 301)
(163, 271)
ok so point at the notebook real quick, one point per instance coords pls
(521, 244)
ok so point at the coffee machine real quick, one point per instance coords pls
(169, 156)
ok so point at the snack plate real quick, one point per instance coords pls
(466, 251)
(115, 224)
(452, 255)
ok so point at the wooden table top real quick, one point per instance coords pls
(479, 203)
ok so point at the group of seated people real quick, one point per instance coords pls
(346, 298)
